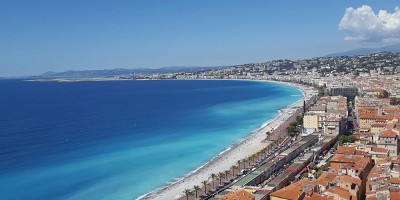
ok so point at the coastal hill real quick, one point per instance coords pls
(361, 51)
(122, 72)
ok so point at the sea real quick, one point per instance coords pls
(118, 140)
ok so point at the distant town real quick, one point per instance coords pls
(384, 63)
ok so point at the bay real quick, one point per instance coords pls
(121, 139)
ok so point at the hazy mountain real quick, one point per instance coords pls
(361, 51)
(121, 72)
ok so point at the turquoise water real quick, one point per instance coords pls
(120, 140)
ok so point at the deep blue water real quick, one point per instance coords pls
(119, 140)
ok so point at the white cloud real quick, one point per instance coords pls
(364, 25)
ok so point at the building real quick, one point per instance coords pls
(388, 139)
(347, 91)
(238, 195)
(351, 184)
(287, 194)
(310, 122)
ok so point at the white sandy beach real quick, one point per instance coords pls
(229, 157)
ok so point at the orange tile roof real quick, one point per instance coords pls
(342, 158)
(378, 172)
(386, 117)
(365, 134)
(349, 179)
(343, 193)
(325, 178)
(368, 116)
(381, 150)
(361, 153)
(388, 134)
(346, 150)
(288, 193)
(238, 195)
(395, 195)
(395, 180)
(378, 125)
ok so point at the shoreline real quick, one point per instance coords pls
(246, 146)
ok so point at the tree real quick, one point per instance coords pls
(258, 155)
(317, 174)
(273, 144)
(196, 188)
(265, 152)
(187, 193)
(205, 186)
(221, 176)
(213, 177)
(233, 167)
(268, 149)
(347, 139)
(383, 94)
(344, 139)
(250, 160)
(299, 119)
(227, 172)
(313, 167)
(290, 129)
(395, 101)
(326, 166)
(239, 162)
(244, 160)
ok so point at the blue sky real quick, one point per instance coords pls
(39, 36)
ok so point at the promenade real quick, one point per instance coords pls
(242, 151)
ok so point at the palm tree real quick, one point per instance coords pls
(227, 172)
(266, 152)
(221, 175)
(196, 188)
(205, 186)
(260, 153)
(244, 162)
(187, 193)
(252, 157)
(213, 177)
(258, 156)
(233, 170)
(239, 162)
(248, 160)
